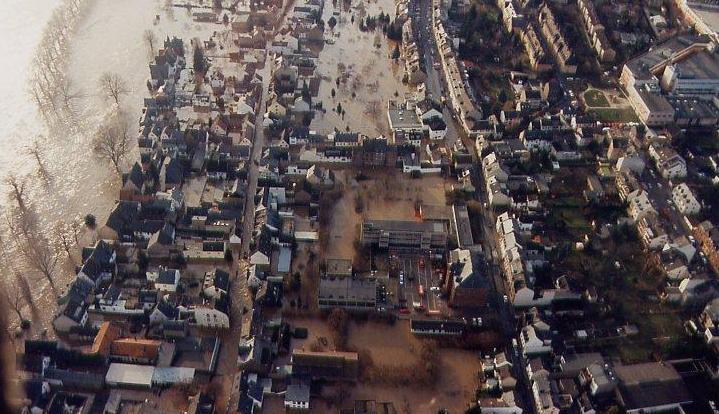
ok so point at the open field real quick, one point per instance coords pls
(393, 346)
(614, 114)
(595, 98)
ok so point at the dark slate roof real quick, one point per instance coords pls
(167, 309)
(74, 310)
(246, 405)
(79, 290)
(346, 137)
(222, 280)
(166, 276)
(136, 176)
(298, 392)
(174, 173)
(375, 145)
(123, 216)
(147, 296)
(256, 392)
(167, 235)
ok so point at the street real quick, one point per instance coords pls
(248, 223)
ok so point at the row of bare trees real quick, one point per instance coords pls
(49, 87)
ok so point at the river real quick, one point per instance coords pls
(108, 38)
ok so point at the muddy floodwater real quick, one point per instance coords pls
(361, 60)
(108, 38)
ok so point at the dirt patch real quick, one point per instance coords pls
(387, 344)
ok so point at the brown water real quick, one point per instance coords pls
(361, 60)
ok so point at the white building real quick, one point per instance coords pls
(685, 200)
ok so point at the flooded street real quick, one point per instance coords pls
(361, 61)
(76, 182)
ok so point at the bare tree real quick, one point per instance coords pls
(16, 294)
(65, 238)
(150, 38)
(112, 141)
(113, 86)
(35, 150)
(17, 190)
(41, 256)
(68, 93)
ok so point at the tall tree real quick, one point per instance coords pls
(113, 86)
(112, 141)
(150, 39)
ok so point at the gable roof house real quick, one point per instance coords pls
(73, 314)
(135, 184)
(164, 311)
(161, 242)
(119, 224)
(100, 266)
(165, 280)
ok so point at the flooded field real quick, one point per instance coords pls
(75, 182)
(361, 61)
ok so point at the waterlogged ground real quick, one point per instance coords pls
(361, 60)
(109, 38)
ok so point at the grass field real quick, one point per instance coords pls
(614, 114)
(596, 99)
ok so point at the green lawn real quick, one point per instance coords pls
(596, 99)
(614, 114)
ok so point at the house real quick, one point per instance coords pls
(685, 200)
(532, 344)
(99, 267)
(403, 120)
(346, 139)
(561, 50)
(73, 314)
(669, 163)
(639, 205)
(319, 177)
(134, 182)
(136, 351)
(165, 280)
(164, 311)
(210, 318)
(652, 232)
(651, 387)
(375, 153)
(340, 288)
(161, 242)
(260, 260)
(470, 286)
(119, 224)
(297, 398)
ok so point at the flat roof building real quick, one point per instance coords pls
(404, 235)
(331, 365)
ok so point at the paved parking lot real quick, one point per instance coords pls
(415, 271)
